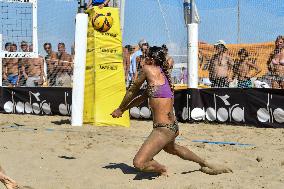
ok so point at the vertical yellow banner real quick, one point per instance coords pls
(105, 84)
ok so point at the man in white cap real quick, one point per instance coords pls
(143, 44)
(220, 66)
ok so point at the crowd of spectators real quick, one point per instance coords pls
(134, 58)
(55, 69)
(242, 71)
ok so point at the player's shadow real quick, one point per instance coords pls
(126, 169)
(62, 122)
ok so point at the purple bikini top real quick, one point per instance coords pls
(160, 91)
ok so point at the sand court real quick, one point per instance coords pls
(46, 152)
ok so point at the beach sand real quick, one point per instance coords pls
(47, 153)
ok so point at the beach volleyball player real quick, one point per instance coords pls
(165, 127)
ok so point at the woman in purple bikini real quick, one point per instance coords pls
(165, 127)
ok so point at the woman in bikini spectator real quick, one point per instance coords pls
(165, 127)
(276, 64)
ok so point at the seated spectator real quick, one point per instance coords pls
(64, 68)
(100, 3)
(51, 61)
(242, 68)
(34, 74)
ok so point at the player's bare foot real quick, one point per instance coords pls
(164, 172)
(214, 169)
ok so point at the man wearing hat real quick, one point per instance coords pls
(143, 46)
(220, 66)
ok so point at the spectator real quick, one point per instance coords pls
(23, 62)
(140, 60)
(34, 74)
(13, 47)
(127, 52)
(8, 46)
(64, 68)
(24, 46)
(11, 72)
(220, 65)
(183, 77)
(276, 64)
(51, 60)
(170, 60)
(242, 68)
(4, 62)
(132, 67)
(100, 3)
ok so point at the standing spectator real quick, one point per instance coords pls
(23, 61)
(276, 64)
(140, 60)
(183, 77)
(127, 51)
(4, 62)
(170, 60)
(132, 67)
(100, 3)
(51, 60)
(242, 68)
(8, 46)
(64, 68)
(24, 46)
(34, 74)
(220, 65)
(11, 68)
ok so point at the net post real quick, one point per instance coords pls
(35, 28)
(79, 69)
(192, 71)
(122, 15)
(1, 65)
(192, 44)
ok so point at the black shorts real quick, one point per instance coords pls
(98, 4)
(220, 82)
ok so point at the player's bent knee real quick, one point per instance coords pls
(170, 150)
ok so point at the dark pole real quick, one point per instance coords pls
(239, 26)
(82, 6)
(192, 11)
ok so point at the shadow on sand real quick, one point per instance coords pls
(126, 169)
(62, 122)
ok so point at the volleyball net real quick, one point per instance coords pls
(37, 42)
